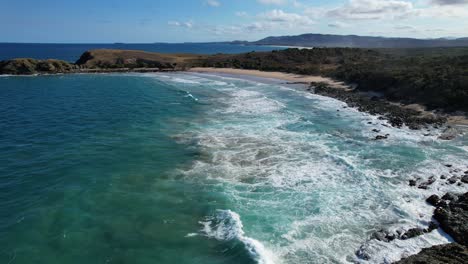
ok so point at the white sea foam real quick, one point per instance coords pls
(226, 225)
(316, 174)
(191, 96)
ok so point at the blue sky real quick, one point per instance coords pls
(146, 21)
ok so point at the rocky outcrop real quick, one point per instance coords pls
(441, 254)
(452, 214)
(32, 66)
(115, 59)
(396, 115)
(453, 218)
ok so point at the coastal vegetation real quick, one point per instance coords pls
(434, 77)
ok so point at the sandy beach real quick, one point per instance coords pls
(275, 75)
(459, 121)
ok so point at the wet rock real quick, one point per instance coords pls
(448, 165)
(380, 137)
(433, 200)
(453, 219)
(425, 184)
(449, 134)
(449, 197)
(413, 232)
(464, 179)
(412, 182)
(440, 254)
(443, 177)
(432, 226)
(452, 179)
(396, 115)
(362, 254)
(383, 235)
(375, 130)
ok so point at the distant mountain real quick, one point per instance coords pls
(324, 40)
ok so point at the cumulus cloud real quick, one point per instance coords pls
(372, 9)
(213, 3)
(279, 16)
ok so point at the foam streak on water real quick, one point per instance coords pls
(196, 168)
(307, 172)
(226, 225)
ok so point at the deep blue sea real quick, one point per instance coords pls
(194, 168)
(72, 52)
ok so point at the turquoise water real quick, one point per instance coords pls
(193, 168)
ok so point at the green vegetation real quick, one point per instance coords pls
(437, 78)
(31, 66)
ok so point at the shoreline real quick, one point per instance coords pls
(342, 93)
(307, 81)
(290, 77)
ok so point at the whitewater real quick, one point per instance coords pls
(308, 169)
(208, 168)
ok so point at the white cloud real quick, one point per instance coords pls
(338, 24)
(450, 2)
(373, 9)
(213, 3)
(272, 2)
(241, 14)
(188, 24)
(292, 19)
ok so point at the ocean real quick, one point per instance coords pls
(72, 52)
(197, 168)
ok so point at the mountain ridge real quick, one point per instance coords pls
(356, 41)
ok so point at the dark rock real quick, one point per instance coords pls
(443, 177)
(412, 182)
(380, 137)
(433, 200)
(441, 254)
(448, 165)
(396, 115)
(362, 254)
(375, 130)
(432, 226)
(413, 232)
(452, 179)
(383, 235)
(464, 179)
(449, 197)
(425, 184)
(453, 219)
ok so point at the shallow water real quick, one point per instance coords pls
(194, 168)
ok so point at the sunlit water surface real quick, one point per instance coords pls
(193, 168)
